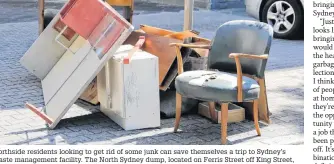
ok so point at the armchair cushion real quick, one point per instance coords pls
(215, 86)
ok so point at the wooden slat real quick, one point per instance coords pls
(138, 45)
(38, 113)
(250, 56)
(191, 45)
(183, 35)
(155, 30)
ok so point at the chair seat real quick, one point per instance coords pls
(215, 86)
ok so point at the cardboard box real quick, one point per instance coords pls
(235, 113)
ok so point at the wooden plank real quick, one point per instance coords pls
(39, 113)
(235, 113)
(137, 46)
(183, 35)
(155, 30)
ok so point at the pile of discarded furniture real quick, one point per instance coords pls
(89, 51)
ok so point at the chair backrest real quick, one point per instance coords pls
(241, 36)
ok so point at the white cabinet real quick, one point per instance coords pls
(66, 67)
(129, 93)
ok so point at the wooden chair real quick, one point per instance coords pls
(236, 64)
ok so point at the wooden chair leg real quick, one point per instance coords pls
(256, 116)
(263, 102)
(224, 117)
(178, 111)
(213, 113)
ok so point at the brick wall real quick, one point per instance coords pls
(207, 4)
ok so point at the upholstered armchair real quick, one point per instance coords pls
(236, 64)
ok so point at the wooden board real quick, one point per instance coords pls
(183, 35)
(235, 113)
(155, 30)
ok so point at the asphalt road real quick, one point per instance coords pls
(27, 10)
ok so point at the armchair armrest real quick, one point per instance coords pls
(179, 56)
(237, 57)
(190, 45)
(234, 55)
(203, 40)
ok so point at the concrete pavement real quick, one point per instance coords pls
(285, 89)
